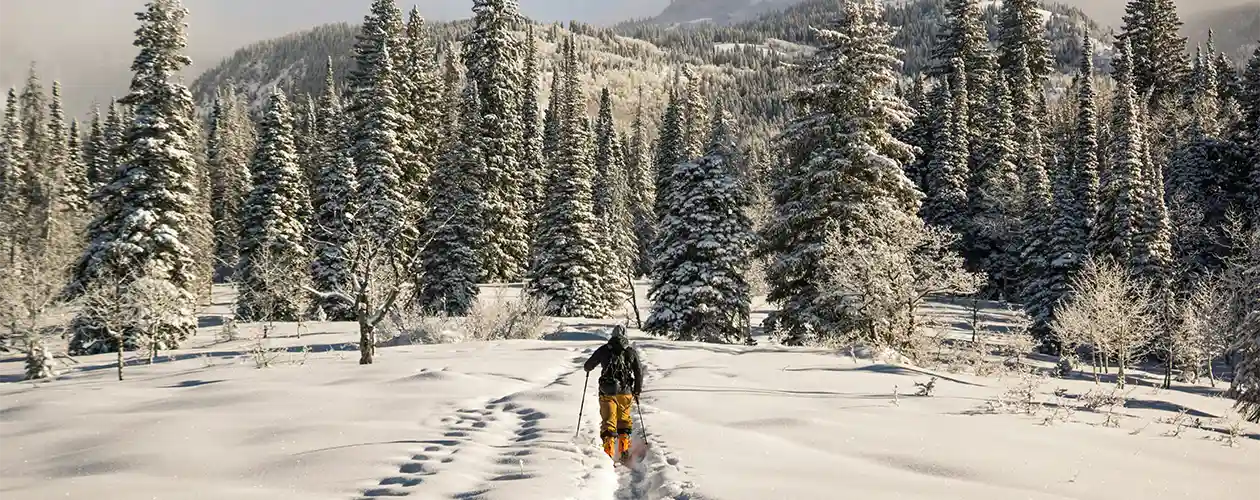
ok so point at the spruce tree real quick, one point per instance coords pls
(1035, 246)
(963, 47)
(993, 195)
(115, 127)
(335, 204)
(699, 290)
(452, 100)
(141, 231)
(451, 269)
(13, 167)
(532, 163)
(377, 154)
(34, 109)
(493, 56)
(1121, 213)
(229, 146)
(670, 151)
(694, 117)
(1022, 33)
(1085, 151)
(551, 118)
(920, 133)
(1151, 255)
(844, 171)
(946, 176)
(56, 195)
(96, 154)
(1151, 30)
(421, 99)
(609, 195)
(565, 273)
(75, 189)
(641, 188)
(273, 238)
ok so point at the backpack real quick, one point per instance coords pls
(618, 374)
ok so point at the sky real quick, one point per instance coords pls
(86, 44)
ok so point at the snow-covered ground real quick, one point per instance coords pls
(497, 420)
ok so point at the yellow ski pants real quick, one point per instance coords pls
(615, 412)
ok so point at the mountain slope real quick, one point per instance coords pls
(1237, 30)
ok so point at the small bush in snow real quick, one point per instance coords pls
(508, 320)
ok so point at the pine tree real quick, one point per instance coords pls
(609, 195)
(694, 117)
(669, 151)
(699, 289)
(532, 163)
(493, 56)
(844, 172)
(642, 192)
(963, 47)
(1021, 33)
(946, 176)
(50, 170)
(565, 273)
(335, 204)
(421, 99)
(115, 127)
(13, 167)
(230, 144)
(34, 106)
(920, 133)
(96, 154)
(450, 267)
(1121, 214)
(141, 231)
(377, 154)
(551, 118)
(1035, 248)
(1085, 152)
(1151, 255)
(993, 193)
(273, 250)
(1159, 62)
(75, 188)
(452, 105)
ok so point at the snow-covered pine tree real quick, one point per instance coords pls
(13, 166)
(670, 146)
(946, 177)
(96, 154)
(1248, 129)
(1022, 30)
(610, 207)
(273, 252)
(34, 109)
(422, 102)
(1245, 389)
(1151, 256)
(140, 231)
(920, 132)
(75, 190)
(962, 49)
(1034, 246)
(493, 57)
(844, 171)
(1085, 150)
(993, 195)
(1151, 30)
(1201, 99)
(115, 128)
(382, 30)
(452, 106)
(694, 117)
(533, 166)
(335, 204)
(451, 270)
(641, 192)
(699, 290)
(1120, 212)
(565, 273)
(51, 168)
(229, 146)
(376, 151)
(551, 119)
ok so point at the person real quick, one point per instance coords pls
(620, 382)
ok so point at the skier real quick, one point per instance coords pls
(620, 383)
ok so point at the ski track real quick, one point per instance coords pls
(654, 476)
(483, 446)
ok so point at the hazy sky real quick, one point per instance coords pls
(86, 44)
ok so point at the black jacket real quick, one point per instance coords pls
(609, 386)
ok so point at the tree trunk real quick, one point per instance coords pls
(367, 340)
(120, 358)
(634, 301)
(1168, 368)
(1094, 356)
(1211, 373)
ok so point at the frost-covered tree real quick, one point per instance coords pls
(1120, 208)
(1151, 256)
(229, 145)
(57, 194)
(565, 273)
(694, 116)
(641, 192)
(962, 50)
(493, 57)
(551, 118)
(13, 180)
(96, 155)
(450, 269)
(699, 290)
(420, 97)
(993, 195)
(143, 227)
(335, 203)
(946, 175)
(376, 151)
(612, 212)
(33, 103)
(75, 190)
(921, 131)
(844, 173)
(532, 164)
(1022, 33)
(670, 150)
(1084, 150)
(1035, 244)
(273, 238)
(1151, 30)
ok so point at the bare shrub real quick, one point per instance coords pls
(1109, 311)
(924, 389)
(519, 319)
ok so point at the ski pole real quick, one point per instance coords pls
(642, 426)
(582, 406)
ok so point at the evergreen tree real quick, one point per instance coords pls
(421, 98)
(641, 188)
(1021, 33)
(1121, 213)
(96, 154)
(565, 273)
(335, 205)
(493, 56)
(844, 173)
(13, 167)
(452, 105)
(75, 189)
(699, 289)
(141, 230)
(551, 119)
(273, 250)
(609, 196)
(34, 106)
(670, 148)
(532, 163)
(694, 118)
(1152, 244)
(963, 48)
(921, 131)
(1151, 30)
(56, 194)
(1035, 246)
(376, 150)
(115, 128)
(993, 193)
(1085, 152)
(230, 144)
(450, 267)
(946, 176)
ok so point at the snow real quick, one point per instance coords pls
(495, 420)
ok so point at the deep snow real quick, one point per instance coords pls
(496, 420)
